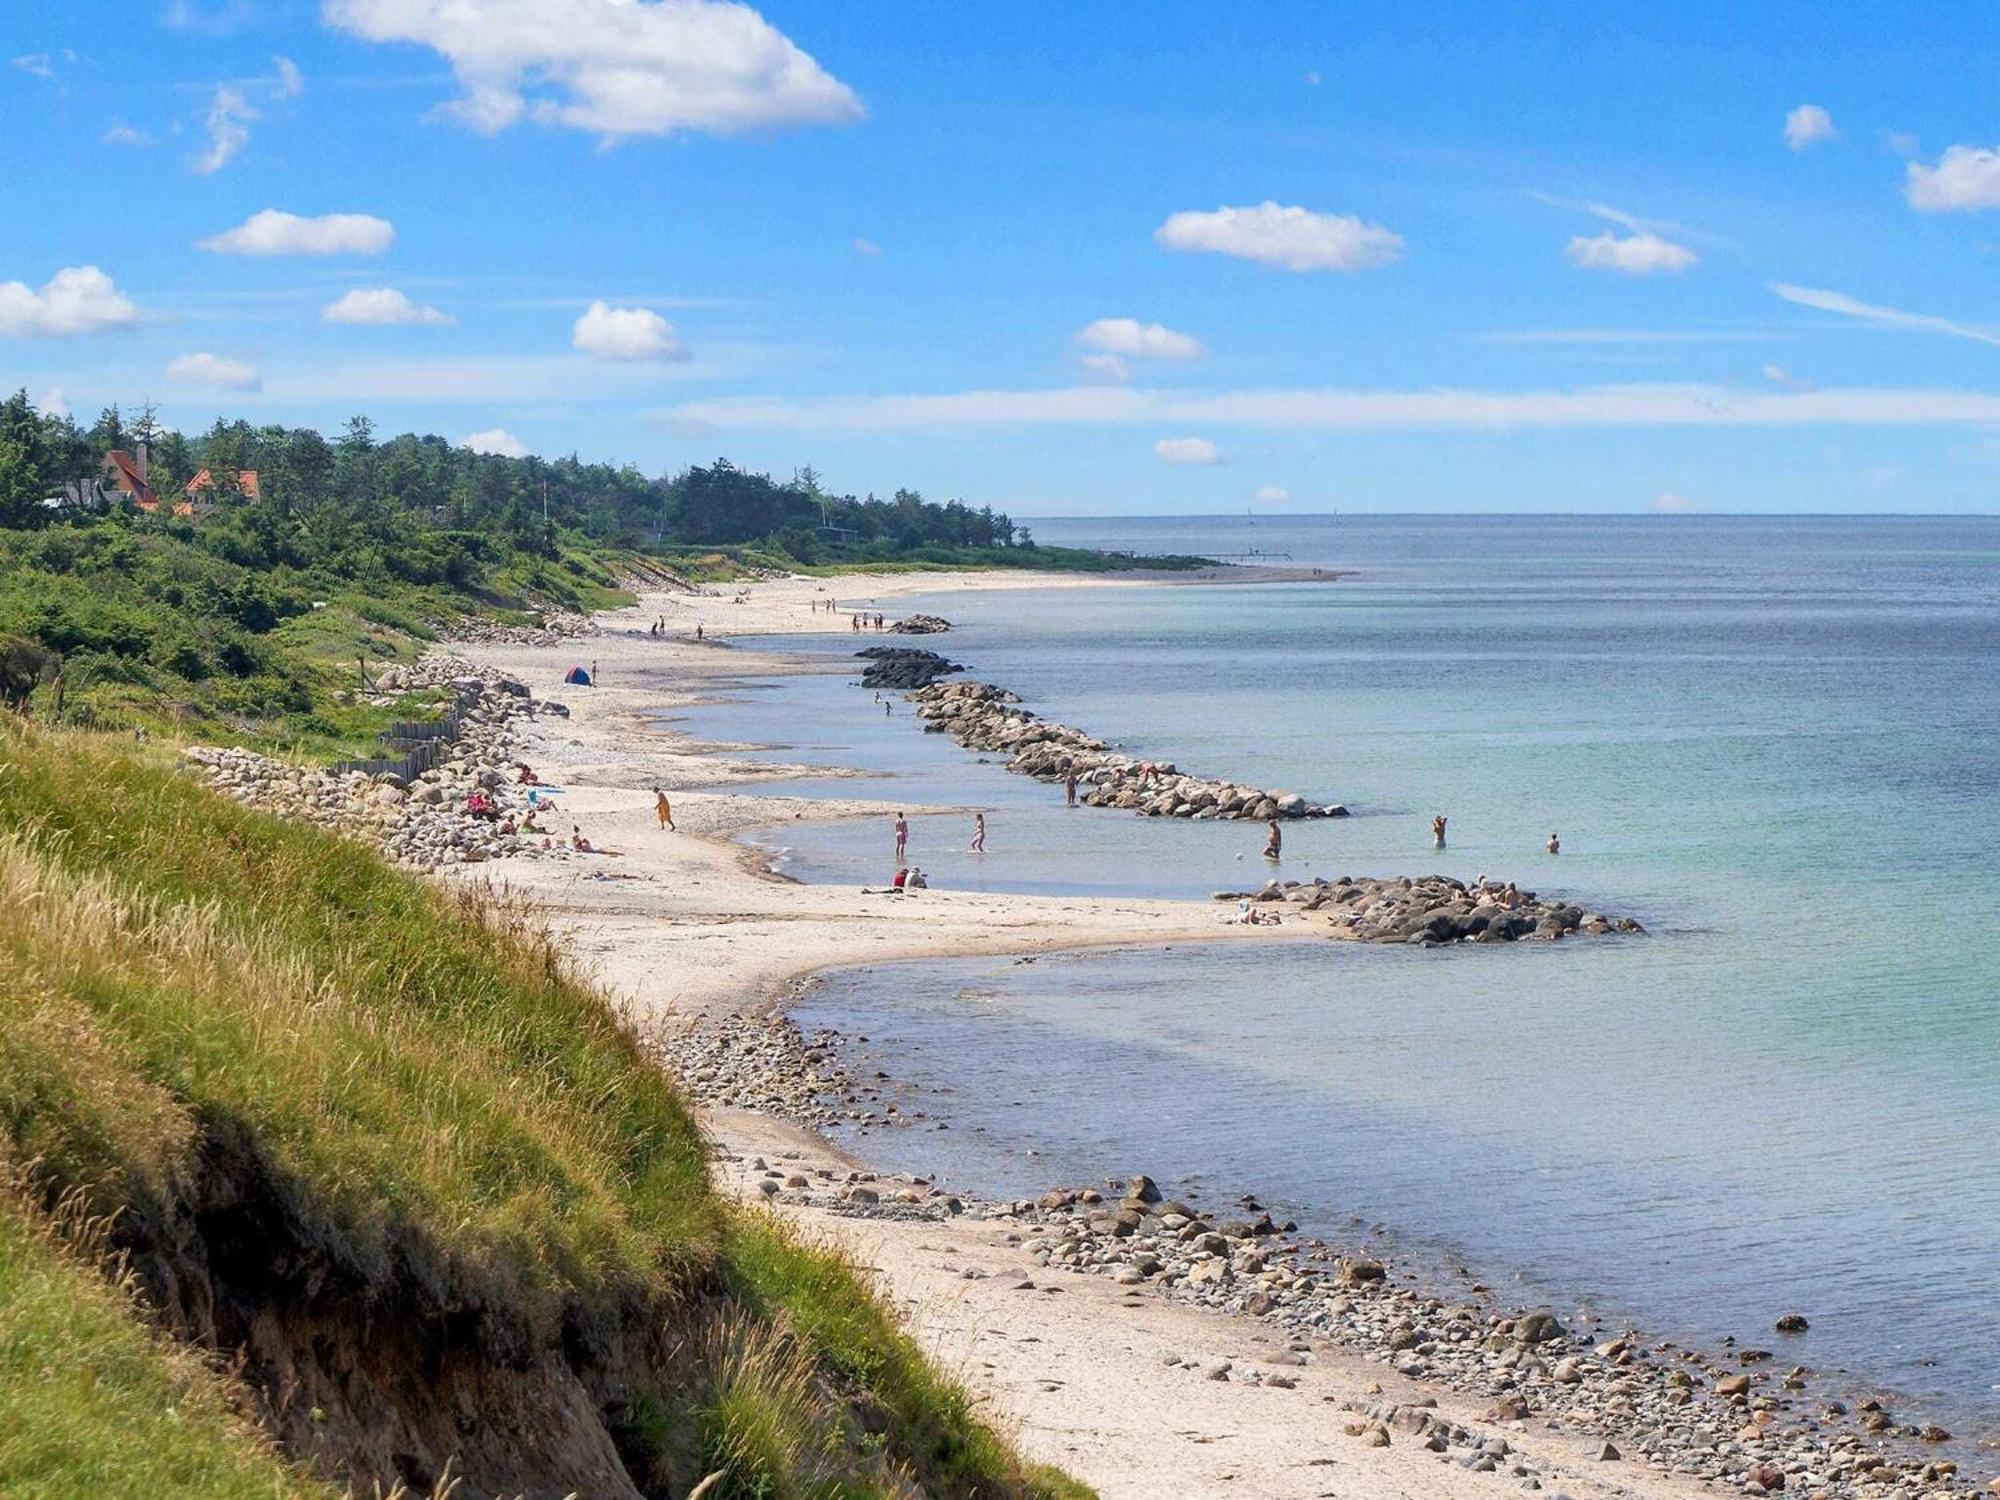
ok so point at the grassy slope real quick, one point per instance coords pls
(435, 1093)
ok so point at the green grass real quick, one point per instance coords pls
(95, 1402)
(434, 1102)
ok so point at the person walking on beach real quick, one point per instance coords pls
(1437, 831)
(902, 837)
(664, 809)
(1069, 791)
(593, 672)
(1555, 844)
(979, 833)
(697, 631)
(1275, 843)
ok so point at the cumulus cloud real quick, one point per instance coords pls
(1667, 503)
(76, 300)
(1294, 239)
(228, 123)
(614, 67)
(1887, 317)
(1966, 178)
(1271, 494)
(1135, 340)
(1632, 254)
(1339, 410)
(381, 307)
(1806, 124)
(52, 402)
(213, 369)
(495, 440)
(1105, 367)
(1187, 450)
(608, 332)
(271, 232)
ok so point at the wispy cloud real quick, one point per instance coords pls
(1620, 336)
(1886, 317)
(1351, 410)
(228, 125)
(1669, 503)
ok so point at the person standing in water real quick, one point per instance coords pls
(1069, 791)
(1437, 831)
(979, 833)
(1275, 843)
(902, 836)
(664, 810)
(1555, 844)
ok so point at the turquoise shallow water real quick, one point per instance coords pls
(1773, 741)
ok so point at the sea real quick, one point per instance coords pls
(1774, 741)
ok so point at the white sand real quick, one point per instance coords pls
(1080, 1375)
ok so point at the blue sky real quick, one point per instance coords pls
(1064, 260)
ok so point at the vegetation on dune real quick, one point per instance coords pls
(262, 619)
(207, 1006)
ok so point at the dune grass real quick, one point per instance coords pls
(432, 1095)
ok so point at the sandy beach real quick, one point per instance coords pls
(1133, 1391)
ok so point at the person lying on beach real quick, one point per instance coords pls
(1276, 842)
(583, 845)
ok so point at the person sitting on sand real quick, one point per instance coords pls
(902, 878)
(480, 806)
(1555, 844)
(664, 810)
(528, 823)
(1511, 897)
(583, 845)
(916, 882)
(902, 837)
(979, 833)
(1275, 843)
(1437, 831)
(524, 774)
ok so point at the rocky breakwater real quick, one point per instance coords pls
(983, 717)
(1433, 909)
(554, 627)
(921, 625)
(426, 823)
(903, 668)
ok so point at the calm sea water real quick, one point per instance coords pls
(1774, 741)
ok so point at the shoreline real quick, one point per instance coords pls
(608, 740)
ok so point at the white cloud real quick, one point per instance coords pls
(1779, 375)
(214, 19)
(613, 67)
(1667, 503)
(1887, 317)
(118, 133)
(228, 122)
(271, 232)
(213, 369)
(77, 299)
(1337, 410)
(866, 247)
(52, 402)
(1966, 178)
(1806, 124)
(626, 333)
(495, 440)
(1294, 239)
(291, 82)
(1133, 339)
(1271, 494)
(1106, 367)
(38, 63)
(1313, 77)
(1632, 254)
(1187, 450)
(381, 307)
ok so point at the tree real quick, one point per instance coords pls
(21, 491)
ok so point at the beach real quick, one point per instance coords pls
(1123, 1384)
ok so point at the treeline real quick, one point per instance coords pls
(406, 486)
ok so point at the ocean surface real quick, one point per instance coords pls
(1774, 741)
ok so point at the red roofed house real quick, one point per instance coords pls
(202, 499)
(126, 475)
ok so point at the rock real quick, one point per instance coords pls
(1792, 1323)
(1359, 1270)
(1733, 1385)
(1142, 1188)
(1537, 1327)
(1601, 1452)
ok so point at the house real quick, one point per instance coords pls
(123, 474)
(202, 497)
(86, 496)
